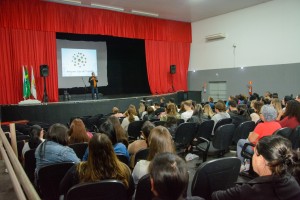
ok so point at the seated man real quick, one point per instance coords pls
(268, 115)
(169, 177)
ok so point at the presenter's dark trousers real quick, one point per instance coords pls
(95, 90)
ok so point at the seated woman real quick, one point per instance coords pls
(130, 117)
(120, 132)
(171, 125)
(78, 133)
(108, 129)
(169, 177)
(54, 149)
(160, 140)
(291, 116)
(36, 137)
(197, 116)
(142, 143)
(188, 107)
(150, 114)
(268, 115)
(257, 105)
(171, 110)
(221, 113)
(116, 112)
(272, 161)
(207, 112)
(102, 163)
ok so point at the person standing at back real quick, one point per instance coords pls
(93, 82)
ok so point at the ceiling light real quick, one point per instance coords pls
(144, 13)
(107, 7)
(73, 1)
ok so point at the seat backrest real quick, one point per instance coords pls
(79, 148)
(223, 136)
(205, 129)
(141, 155)
(134, 129)
(49, 178)
(295, 138)
(29, 164)
(123, 159)
(180, 121)
(284, 132)
(243, 130)
(143, 189)
(185, 133)
(159, 123)
(222, 122)
(214, 175)
(105, 189)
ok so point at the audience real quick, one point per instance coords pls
(36, 135)
(272, 161)
(54, 149)
(141, 143)
(207, 111)
(150, 114)
(285, 100)
(162, 102)
(108, 129)
(102, 164)
(235, 115)
(120, 132)
(171, 125)
(158, 109)
(169, 177)
(276, 103)
(116, 112)
(160, 140)
(291, 116)
(211, 102)
(268, 115)
(130, 117)
(188, 110)
(78, 133)
(197, 116)
(142, 109)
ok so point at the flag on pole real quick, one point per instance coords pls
(26, 84)
(33, 86)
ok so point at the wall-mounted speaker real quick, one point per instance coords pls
(44, 70)
(172, 69)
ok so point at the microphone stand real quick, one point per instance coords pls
(84, 88)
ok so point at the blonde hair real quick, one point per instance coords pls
(276, 103)
(207, 110)
(160, 140)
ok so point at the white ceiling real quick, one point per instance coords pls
(179, 10)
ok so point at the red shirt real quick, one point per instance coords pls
(265, 129)
(290, 122)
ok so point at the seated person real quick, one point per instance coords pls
(207, 112)
(235, 114)
(150, 114)
(187, 114)
(171, 110)
(54, 149)
(130, 117)
(36, 137)
(121, 135)
(268, 115)
(272, 161)
(171, 125)
(197, 116)
(160, 140)
(78, 133)
(291, 116)
(102, 163)
(158, 108)
(169, 177)
(257, 105)
(142, 143)
(221, 113)
(116, 112)
(108, 129)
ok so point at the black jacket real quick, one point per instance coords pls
(263, 188)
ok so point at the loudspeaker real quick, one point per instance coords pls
(173, 69)
(44, 71)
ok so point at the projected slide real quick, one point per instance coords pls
(78, 62)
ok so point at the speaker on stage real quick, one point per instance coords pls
(173, 69)
(44, 70)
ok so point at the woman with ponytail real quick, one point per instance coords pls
(278, 169)
(130, 117)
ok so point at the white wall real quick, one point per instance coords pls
(266, 34)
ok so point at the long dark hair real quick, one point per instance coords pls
(120, 132)
(102, 162)
(292, 109)
(278, 152)
(35, 133)
(108, 129)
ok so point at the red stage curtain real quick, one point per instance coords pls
(159, 56)
(28, 38)
(30, 48)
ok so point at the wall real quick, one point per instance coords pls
(283, 79)
(266, 34)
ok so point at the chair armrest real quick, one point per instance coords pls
(203, 140)
(246, 154)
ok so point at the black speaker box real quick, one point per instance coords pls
(173, 69)
(44, 70)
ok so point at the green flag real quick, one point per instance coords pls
(26, 84)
